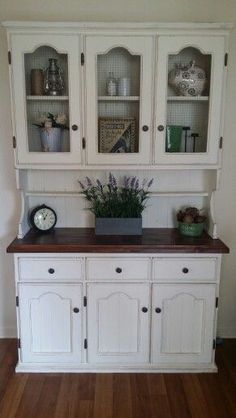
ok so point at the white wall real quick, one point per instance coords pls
(122, 10)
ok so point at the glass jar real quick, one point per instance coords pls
(111, 85)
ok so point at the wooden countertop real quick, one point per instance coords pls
(84, 240)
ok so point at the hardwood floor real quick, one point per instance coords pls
(118, 395)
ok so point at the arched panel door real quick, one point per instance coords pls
(118, 323)
(50, 323)
(182, 323)
(46, 93)
(190, 77)
(119, 73)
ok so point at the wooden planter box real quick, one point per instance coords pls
(118, 226)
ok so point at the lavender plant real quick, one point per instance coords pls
(111, 200)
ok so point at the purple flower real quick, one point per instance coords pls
(136, 186)
(150, 183)
(126, 182)
(132, 182)
(89, 181)
(144, 182)
(81, 185)
(99, 183)
(112, 180)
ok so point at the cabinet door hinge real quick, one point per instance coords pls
(85, 301)
(14, 141)
(217, 301)
(85, 344)
(83, 143)
(18, 343)
(17, 300)
(82, 58)
(9, 57)
(226, 59)
(221, 142)
(214, 344)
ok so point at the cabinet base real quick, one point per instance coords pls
(85, 368)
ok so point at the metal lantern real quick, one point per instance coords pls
(53, 81)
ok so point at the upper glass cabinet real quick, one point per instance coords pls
(119, 104)
(47, 99)
(189, 93)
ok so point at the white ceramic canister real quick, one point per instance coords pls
(124, 86)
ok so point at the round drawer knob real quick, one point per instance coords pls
(145, 128)
(118, 270)
(51, 271)
(185, 270)
(76, 310)
(144, 309)
(74, 127)
(160, 128)
(158, 310)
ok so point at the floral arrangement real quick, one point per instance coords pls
(48, 120)
(191, 215)
(110, 200)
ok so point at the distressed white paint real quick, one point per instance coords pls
(49, 329)
(183, 330)
(118, 330)
(192, 12)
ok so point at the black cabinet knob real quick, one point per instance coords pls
(158, 310)
(145, 128)
(51, 271)
(160, 128)
(76, 310)
(144, 309)
(118, 270)
(185, 270)
(74, 127)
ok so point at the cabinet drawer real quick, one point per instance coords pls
(117, 268)
(185, 268)
(50, 269)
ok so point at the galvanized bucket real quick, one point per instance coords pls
(51, 139)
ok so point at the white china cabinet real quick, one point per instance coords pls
(136, 99)
(128, 123)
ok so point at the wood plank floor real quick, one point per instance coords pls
(118, 395)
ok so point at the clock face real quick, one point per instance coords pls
(44, 218)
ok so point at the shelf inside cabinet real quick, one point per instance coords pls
(118, 98)
(188, 98)
(48, 98)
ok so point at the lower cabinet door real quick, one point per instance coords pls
(50, 323)
(118, 323)
(183, 323)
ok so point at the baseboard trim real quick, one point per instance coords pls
(226, 332)
(8, 332)
(111, 368)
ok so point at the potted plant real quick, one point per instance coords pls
(191, 221)
(51, 129)
(117, 208)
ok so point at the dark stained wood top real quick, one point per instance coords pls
(84, 240)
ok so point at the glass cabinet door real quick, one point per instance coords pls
(47, 98)
(119, 99)
(189, 94)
